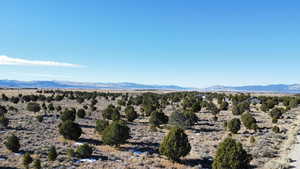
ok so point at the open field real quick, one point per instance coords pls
(141, 150)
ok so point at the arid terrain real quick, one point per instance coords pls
(269, 149)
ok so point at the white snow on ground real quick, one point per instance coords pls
(88, 160)
(295, 154)
(78, 144)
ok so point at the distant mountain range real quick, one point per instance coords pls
(83, 85)
(280, 88)
(277, 88)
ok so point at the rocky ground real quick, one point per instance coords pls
(141, 151)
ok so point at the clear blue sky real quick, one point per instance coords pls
(190, 43)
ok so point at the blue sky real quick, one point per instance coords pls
(190, 43)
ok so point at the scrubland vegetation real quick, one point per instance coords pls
(94, 129)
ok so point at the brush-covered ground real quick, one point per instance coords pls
(141, 150)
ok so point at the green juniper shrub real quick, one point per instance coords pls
(158, 118)
(249, 121)
(27, 160)
(70, 153)
(111, 113)
(240, 108)
(252, 140)
(276, 113)
(101, 125)
(80, 100)
(3, 121)
(175, 144)
(116, 133)
(14, 100)
(211, 107)
(4, 97)
(33, 107)
(3, 110)
(52, 154)
(37, 164)
(68, 114)
(85, 107)
(234, 125)
(231, 155)
(52, 108)
(183, 119)
(196, 107)
(12, 143)
(130, 113)
(40, 118)
(70, 130)
(81, 113)
(276, 129)
(116, 116)
(225, 125)
(84, 151)
(224, 106)
(274, 120)
(264, 108)
(58, 108)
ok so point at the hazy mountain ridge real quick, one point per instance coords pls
(276, 88)
(83, 85)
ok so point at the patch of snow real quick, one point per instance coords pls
(78, 144)
(89, 160)
(19, 154)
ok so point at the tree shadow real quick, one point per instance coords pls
(8, 168)
(142, 147)
(206, 130)
(205, 162)
(86, 126)
(90, 141)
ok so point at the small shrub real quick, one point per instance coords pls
(157, 118)
(68, 114)
(84, 151)
(234, 125)
(111, 113)
(175, 144)
(249, 121)
(27, 159)
(37, 164)
(276, 113)
(33, 107)
(81, 113)
(240, 108)
(252, 140)
(12, 143)
(3, 121)
(225, 125)
(80, 100)
(183, 120)
(52, 154)
(196, 107)
(274, 121)
(231, 155)
(70, 130)
(224, 106)
(131, 114)
(70, 153)
(3, 110)
(101, 125)
(39, 118)
(276, 129)
(116, 133)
